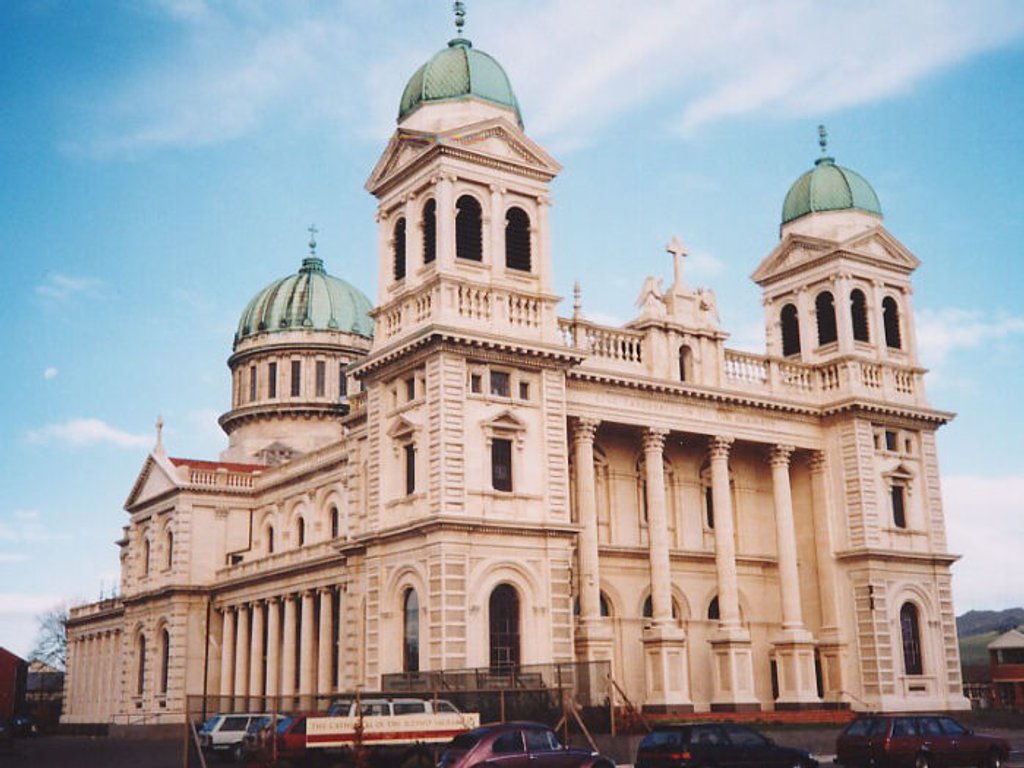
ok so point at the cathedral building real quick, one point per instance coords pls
(456, 476)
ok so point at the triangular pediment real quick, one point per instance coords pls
(794, 251)
(402, 429)
(507, 421)
(156, 478)
(493, 140)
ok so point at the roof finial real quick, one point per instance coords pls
(159, 447)
(460, 16)
(312, 239)
(577, 301)
(823, 140)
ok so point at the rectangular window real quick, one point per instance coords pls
(296, 378)
(524, 390)
(252, 382)
(410, 389)
(321, 378)
(899, 513)
(499, 383)
(342, 381)
(501, 464)
(410, 469)
(890, 440)
(272, 380)
(709, 506)
(476, 384)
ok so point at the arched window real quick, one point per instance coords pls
(468, 230)
(859, 315)
(335, 522)
(140, 669)
(165, 659)
(411, 646)
(270, 539)
(398, 248)
(429, 231)
(169, 548)
(713, 612)
(649, 608)
(790, 330)
(145, 557)
(826, 307)
(910, 629)
(300, 532)
(685, 363)
(504, 629)
(891, 317)
(517, 240)
(602, 606)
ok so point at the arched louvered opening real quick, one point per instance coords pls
(910, 629)
(859, 315)
(145, 557)
(891, 317)
(468, 229)
(429, 231)
(411, 632)
(790, 330)
(826, 310)
(685, 363)
(713, 612)
(168, 549)
(504, 629)
(335, 522)
(517, 240)
(398, 248)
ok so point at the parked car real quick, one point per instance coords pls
(6, 738)
(716, 744)
(917, 741)
(22, 725)
(514, 745)
(224, 734)
(390, 706)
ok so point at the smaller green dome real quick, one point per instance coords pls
(458, 72)
(829, 187)
(309, 299)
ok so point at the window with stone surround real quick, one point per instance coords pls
(398, 249)
(411, 632)
(501, 464)
(891, 319)
(517, 240)
(790, 323)
(272, 380)
(825, 308)
(296, 378)
(503, 623)
(910, 631)
(468, 229)
(165, 659)
(409, 450)
(859, 315)
(429, 227)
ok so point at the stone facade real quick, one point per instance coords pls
(731, 531)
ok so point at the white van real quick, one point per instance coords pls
(224, 733)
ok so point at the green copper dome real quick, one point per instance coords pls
(829, 187)
(309, 299)
(459, 72)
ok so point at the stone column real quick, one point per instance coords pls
(339, 683)
(808, 328)
(256, 659)
(829, 641)
(667, 673)
(241, 655)
(288, 653)
(733, 669)
(445, 221)
(496, 216)
(325, 645)
(794, 646)
(844, 317)
(307, 656)
(227, 654)
(273, 651)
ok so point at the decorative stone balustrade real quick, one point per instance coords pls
(220, 478)
(617, 344)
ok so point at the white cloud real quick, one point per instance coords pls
(83, 432)
(26, 603)
(940, 332)
(576, 65)
(985, 522)
(50, 373)
(60, 288)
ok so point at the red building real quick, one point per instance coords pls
(1006, 659)
(13, 674)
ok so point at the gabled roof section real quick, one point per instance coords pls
(506, 420)
(796, 251)
(402, 428)
(156, 477)
(1012, 639)
(496, 139)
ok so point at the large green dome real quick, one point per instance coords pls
(309, 299)
(459, 72)
(829, 187)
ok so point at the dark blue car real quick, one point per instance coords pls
(722, 745)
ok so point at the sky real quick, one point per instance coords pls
(161, 160)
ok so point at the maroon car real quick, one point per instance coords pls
(917, 741)
(516, 745)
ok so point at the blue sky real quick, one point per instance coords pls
(160, 161)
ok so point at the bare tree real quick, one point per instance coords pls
(51, 643)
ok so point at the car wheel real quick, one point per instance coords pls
(992, 760)
(237, 753)
(922, 761)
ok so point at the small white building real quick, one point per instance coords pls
(455, 476)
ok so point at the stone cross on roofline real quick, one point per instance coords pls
(679, 252)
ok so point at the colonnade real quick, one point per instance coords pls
(664, 642)
(283, 646)
(93, 690)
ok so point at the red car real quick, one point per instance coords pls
(516, 745)
(917, 741)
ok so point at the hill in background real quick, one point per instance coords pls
(979, 628)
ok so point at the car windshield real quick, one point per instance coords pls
(283, 723)
(209, 724)
(466, 740)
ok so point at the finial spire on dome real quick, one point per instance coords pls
(312, 239)
(312, 263)
(823, 143)
(460, 16)
(159, 446)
